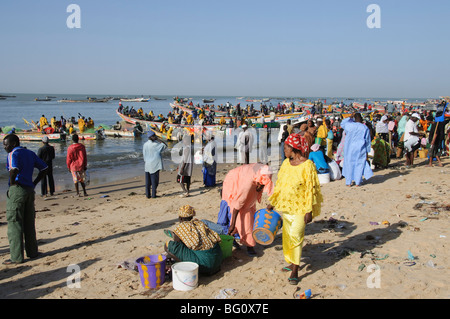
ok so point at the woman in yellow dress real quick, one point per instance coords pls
(298, 198)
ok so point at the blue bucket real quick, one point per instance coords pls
(266, 225)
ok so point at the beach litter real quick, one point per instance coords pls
(129, 264)
(382, 258)
(302, 295)
(226, 293)
(411, 256)
(409, 263)
(341, 287)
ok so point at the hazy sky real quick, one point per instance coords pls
(237, 48)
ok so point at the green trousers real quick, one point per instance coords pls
(20, 215)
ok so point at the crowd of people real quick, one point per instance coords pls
(356, 142)
(63, 125)
(231, 116)
(296, 194)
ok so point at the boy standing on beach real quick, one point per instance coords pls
(153, 163)
(77, 163)
(47, 154)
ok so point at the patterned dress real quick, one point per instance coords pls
(296, 193)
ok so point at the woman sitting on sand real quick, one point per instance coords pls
(193, 241)
(298, 197)
(316, 155)
(382, 151)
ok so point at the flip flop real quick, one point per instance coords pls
(293, 281)
(10, 262)
(168, 233)
(286, 269)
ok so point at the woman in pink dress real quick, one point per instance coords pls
(242, 188)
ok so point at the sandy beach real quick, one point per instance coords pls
(399, 213)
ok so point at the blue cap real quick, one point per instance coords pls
(150, 133)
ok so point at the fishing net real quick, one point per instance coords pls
(7, 129)
(106, 127)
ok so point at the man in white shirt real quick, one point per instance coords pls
(245, 144)
(152, 150)
(412, 140)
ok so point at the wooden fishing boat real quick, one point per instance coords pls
(90, 136)
(90, 100)
(37, 136)
(132, 120)
(173, 134)
(119, 133)
(208, 100)
(188, 109)
(219, 114)
(135, 100)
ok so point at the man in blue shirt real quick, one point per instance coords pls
(153, 163)
(20, 212)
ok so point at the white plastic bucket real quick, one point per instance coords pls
(324, 178)
(335, 171)
(185, 276)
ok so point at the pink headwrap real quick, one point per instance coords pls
(264, 177)
(315, 147)
(242, 180)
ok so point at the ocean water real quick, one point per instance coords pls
(110, 159)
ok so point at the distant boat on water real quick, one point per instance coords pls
(159, 98)
(135, 100)
(89, 100)
(208, 100)
(42, 99)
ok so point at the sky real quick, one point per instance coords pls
(226, 48)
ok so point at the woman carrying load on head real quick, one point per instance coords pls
(298, 198)
(242, 188)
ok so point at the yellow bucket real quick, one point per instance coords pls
(423, 153)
